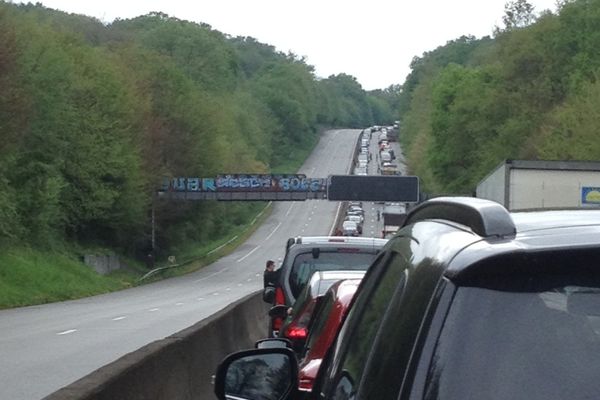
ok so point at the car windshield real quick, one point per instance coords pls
(520, 344)
(305, 265)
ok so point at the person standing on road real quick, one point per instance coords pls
(270, 276)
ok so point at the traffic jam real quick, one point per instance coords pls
(312, 291)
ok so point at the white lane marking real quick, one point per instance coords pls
(153, 309)
(337, 212)
(240, 284)
(178, 304)
(228, 289)
(67, 332)
(215, 293)
(289, 210)
(258, 274)
(252, 251)
(271, 234)
(211, 275)
(249, 279)
(118, 318)
(223, 245)
(200, 298)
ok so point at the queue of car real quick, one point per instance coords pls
(467, 300)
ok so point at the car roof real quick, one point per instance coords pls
(485, 231)
(319, 277)
(335, 241)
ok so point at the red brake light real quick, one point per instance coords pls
(295, 333)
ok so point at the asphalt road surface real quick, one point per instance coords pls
(46, 347)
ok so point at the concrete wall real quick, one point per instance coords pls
(103, 264)
(180, 366)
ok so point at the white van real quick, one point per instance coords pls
(385, 157)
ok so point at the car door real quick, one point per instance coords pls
(384, 282)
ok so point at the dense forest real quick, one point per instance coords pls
(529, 92)
(93, 116)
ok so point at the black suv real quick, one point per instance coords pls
(467, 301)
(308, 254)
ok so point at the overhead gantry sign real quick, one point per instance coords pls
(296, 187)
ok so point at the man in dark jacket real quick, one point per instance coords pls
(270, 276)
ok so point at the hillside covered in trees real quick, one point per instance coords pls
(531, 92)
(93, 116)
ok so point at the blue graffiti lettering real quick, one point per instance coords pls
(208, 185)
(193, 184)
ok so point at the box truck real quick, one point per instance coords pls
(527, 184)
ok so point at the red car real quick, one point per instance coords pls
(296, 326)
(323, 329)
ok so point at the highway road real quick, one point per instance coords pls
(46, 347)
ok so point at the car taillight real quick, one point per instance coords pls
(305, 384)
(295, 333)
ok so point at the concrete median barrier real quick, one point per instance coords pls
(180, 366)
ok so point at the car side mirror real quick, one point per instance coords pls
(268, 295)
(279, 311)
(273, 343)
(258, 374)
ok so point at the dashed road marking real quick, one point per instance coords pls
(252, 251)
(154, 309)
(200, 298)
(67, 332)
(118, 318)
(179, 304)
(211, 275)
(289, 210)
(271, 234)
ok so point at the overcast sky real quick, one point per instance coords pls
(372, 40)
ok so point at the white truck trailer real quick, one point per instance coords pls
(526, 184)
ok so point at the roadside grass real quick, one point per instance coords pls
(29, 277)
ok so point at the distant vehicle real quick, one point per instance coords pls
(356, 217)
(356, 209)
(350, 228)
(385, 156)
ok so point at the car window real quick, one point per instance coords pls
(319, 321)
(371, 306)
(389, 359)
(531, 341)
(305, 265)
